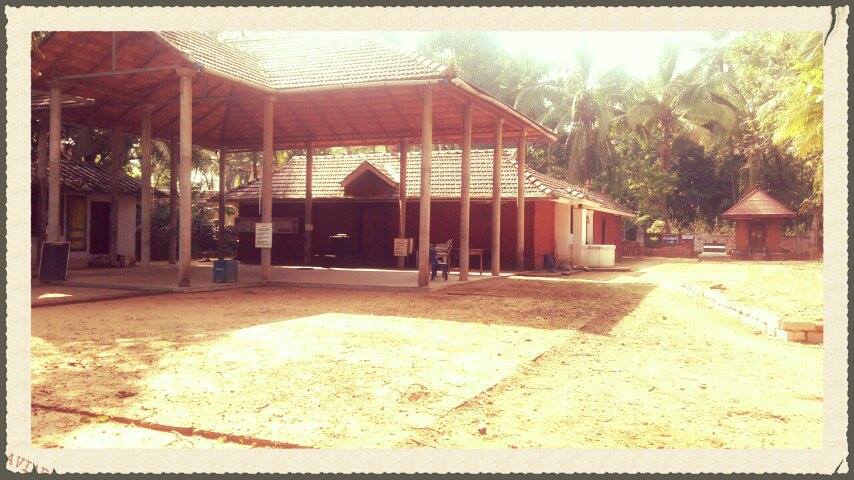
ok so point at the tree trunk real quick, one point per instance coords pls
(815, 233)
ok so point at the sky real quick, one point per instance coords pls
(637, 52)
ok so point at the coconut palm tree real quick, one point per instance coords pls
(681, 106)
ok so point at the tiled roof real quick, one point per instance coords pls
(203, 48)
(310, 59)
(88, 178)
(758, 204)
(287, 60)
(330, 170)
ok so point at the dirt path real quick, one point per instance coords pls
(624, 363)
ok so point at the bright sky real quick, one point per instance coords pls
(637, 52)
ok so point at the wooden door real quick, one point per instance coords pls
(99, 230)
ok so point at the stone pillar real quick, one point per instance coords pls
(185, 243)
(401, 198)
(496, 198)
(465, 194)
(267, 182)
(521, 156)
(424, 210)
(54, 157)
(146, 198)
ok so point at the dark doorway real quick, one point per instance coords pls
(757, 236)
(375, 240)
(99, 230)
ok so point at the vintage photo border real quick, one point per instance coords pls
(23, 20)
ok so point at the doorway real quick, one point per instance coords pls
(99, 230)
(757, 236)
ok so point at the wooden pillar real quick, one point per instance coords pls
(220, 237)
(41, 151)
(465, 194)
(185, 254)
(309, 224)
(521, 157)
(496, 198)
(424, 211)
(175, 155)
(53, 157)
(267, 182)
(401, 198)
(146, 192)
(117, 161)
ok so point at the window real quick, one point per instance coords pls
(75, 211)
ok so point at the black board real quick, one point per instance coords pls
(53, 263)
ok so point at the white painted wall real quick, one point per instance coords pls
(563, 239)
(127, 229)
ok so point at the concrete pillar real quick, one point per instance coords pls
(401, 198)
(220, 236)
(117, 161)
(496, 198)
(309, 225)
(521, 156)
(54, 153)
(465, 194)
(185, 254)
(267, 182)
(146, 197)
(424, 210)
(174, 160)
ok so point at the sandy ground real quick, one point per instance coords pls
(596, 360)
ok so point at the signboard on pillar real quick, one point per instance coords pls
(402, 247)
(263, 235)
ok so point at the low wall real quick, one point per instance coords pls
(798, 245)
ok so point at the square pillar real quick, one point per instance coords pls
(496, 198)
(401, 198)
(185, 244)
(465, 194)
(117, 161)
(521, 156)
(54, 153)
(146, 197)
(424, 206)
(309, 225)
(267, 182)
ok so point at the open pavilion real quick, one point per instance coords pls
(288, 91)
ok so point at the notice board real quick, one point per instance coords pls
(263, 235)
(53, 262)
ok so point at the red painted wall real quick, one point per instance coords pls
(613, 231)
(373, 226)
(742, 234)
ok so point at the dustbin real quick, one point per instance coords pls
(225, 271)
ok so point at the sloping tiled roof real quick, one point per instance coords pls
(83, 177)
(758, 204)
(330, 170)
(311, 59)
(204, 49)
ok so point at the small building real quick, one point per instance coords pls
(85, 212)
(759, 222)
(357, 197)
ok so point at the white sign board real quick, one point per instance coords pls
(402, 247)
(263, 235)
